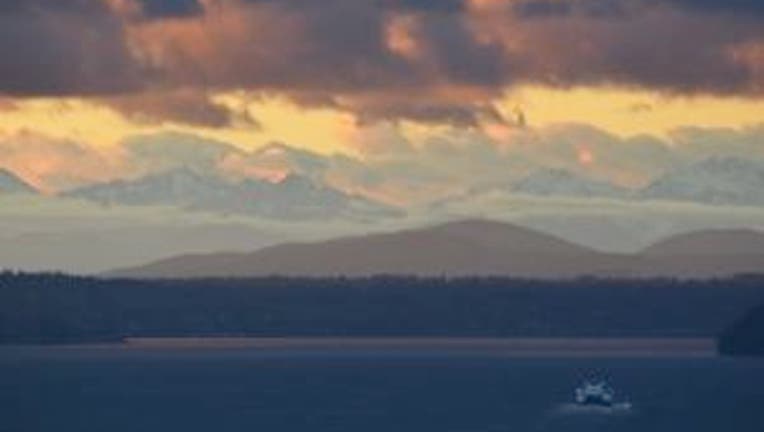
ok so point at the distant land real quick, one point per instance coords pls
(124, 219)
(745, 336)
(716, 180)
(504, 347)
(474, 248)
(293, 198)
(55, 309)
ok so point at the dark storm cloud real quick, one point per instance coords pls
(62, 47)
(543, 8)
(322, 49)
(341, 47)
(11, 6)
(460, 57)
(185, 107)
(339, 53)
(424, 5)
(379, 59)
(736, 6)
(171, 8)
(408, 5)
(464, 115)
(547, 8)
(643, 50)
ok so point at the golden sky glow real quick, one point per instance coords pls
(73, 119)
(99, 126)
(289, 110)
(621, 112)
(626, 112)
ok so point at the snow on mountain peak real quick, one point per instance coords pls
(558, 182)
(717, 180)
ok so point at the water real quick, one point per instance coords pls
(117, 389)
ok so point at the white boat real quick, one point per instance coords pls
(595, 394)
(597, 398)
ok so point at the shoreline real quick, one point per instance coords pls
(511, 347)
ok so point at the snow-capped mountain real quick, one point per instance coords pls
(557, 182)
(542, 183)
(281, 156)
(728, 180)
(294, 197)
(10, 183)
(180, 187)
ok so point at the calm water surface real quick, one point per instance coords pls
(118, 389)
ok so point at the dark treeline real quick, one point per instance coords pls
(49, 308)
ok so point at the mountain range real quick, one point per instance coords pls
(558, 182)
(713, 181)
(132, 221)
(10, 183)
(293, 198)
(717, 180)
(473, 248)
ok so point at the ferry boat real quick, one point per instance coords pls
(595, 394)
(595, 398)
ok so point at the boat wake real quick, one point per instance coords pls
(620, 408)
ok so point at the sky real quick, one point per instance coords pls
(436, 109)
(422, 95)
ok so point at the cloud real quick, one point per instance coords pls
(171, 8)
(638, 49)
(730, 6)
(622, 8)
(151, 153)
(424, 5)
(188, 107)
(481, 47)
(448, 62)
(591, 8)
(443, 61)
(451, 161)
(696, 143)
(390, 163)
(311, 52)
(7, 104)
(52, 164)
(63, 47)
(594, 153)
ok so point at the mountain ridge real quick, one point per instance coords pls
(11, 183)
(383, 254)
(560, 182)
(716, 180)
(465, 248)
(294, 197)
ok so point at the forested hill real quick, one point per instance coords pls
(746, 335)
(56, 308)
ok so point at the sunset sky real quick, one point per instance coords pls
(158, 127)
(588, 85)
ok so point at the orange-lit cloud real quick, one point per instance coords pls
(53, 164)
(375, 59)
(475, 88)
(585, 156)
(401, 38)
